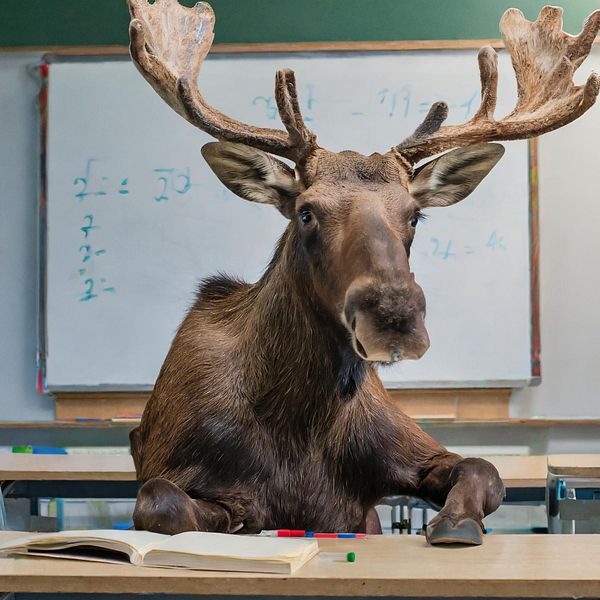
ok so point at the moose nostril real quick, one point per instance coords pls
(353, 324)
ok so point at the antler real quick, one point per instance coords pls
(169, 43)
(544, 59)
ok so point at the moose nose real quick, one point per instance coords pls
(386, 321)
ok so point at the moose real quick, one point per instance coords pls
(268, 411)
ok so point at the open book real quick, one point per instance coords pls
(190, 550)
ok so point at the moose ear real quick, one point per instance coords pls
(454, 175)
(253, 174)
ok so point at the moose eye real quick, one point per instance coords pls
(305, 216)
(419, 216)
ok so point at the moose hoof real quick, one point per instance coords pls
(467, 531)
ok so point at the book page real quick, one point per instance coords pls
(235, 546)
(83, 553)
(132, 543)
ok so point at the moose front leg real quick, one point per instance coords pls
(162, 507)
(466, 489)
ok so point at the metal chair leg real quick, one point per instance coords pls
(3, 518)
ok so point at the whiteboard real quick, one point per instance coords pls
(134, 217)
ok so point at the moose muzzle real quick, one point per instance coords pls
(386, 319)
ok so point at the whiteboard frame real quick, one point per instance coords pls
(120, 53)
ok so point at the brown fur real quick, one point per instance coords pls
(264, 410)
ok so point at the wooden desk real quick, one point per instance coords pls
(66, 467)
(516, 471)
(575, 465)
(59, 475)
(571, 496)
(521, 471)
(527, 566)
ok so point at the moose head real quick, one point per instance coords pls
(353, 217)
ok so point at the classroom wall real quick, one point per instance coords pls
(18, 242)
(69, 22)
(570, 247)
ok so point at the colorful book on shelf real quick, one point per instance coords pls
(190, 550)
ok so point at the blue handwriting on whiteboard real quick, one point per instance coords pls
(88, 227)
(90, 186)
(495, 242)
(87, 269)
(445, 253)
(172, 181)
(451, 249)
(270, 107)
(466, 107)
(402, 102)
(395, 101)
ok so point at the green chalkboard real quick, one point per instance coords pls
(104, 22)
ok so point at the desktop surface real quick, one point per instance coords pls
(542, 566)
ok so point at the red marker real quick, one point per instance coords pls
(287, 533)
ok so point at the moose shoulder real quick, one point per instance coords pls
(268, 412)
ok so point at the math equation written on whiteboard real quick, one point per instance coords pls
(399, 102)
(95, 183)
(89, 253)
(448, 249)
